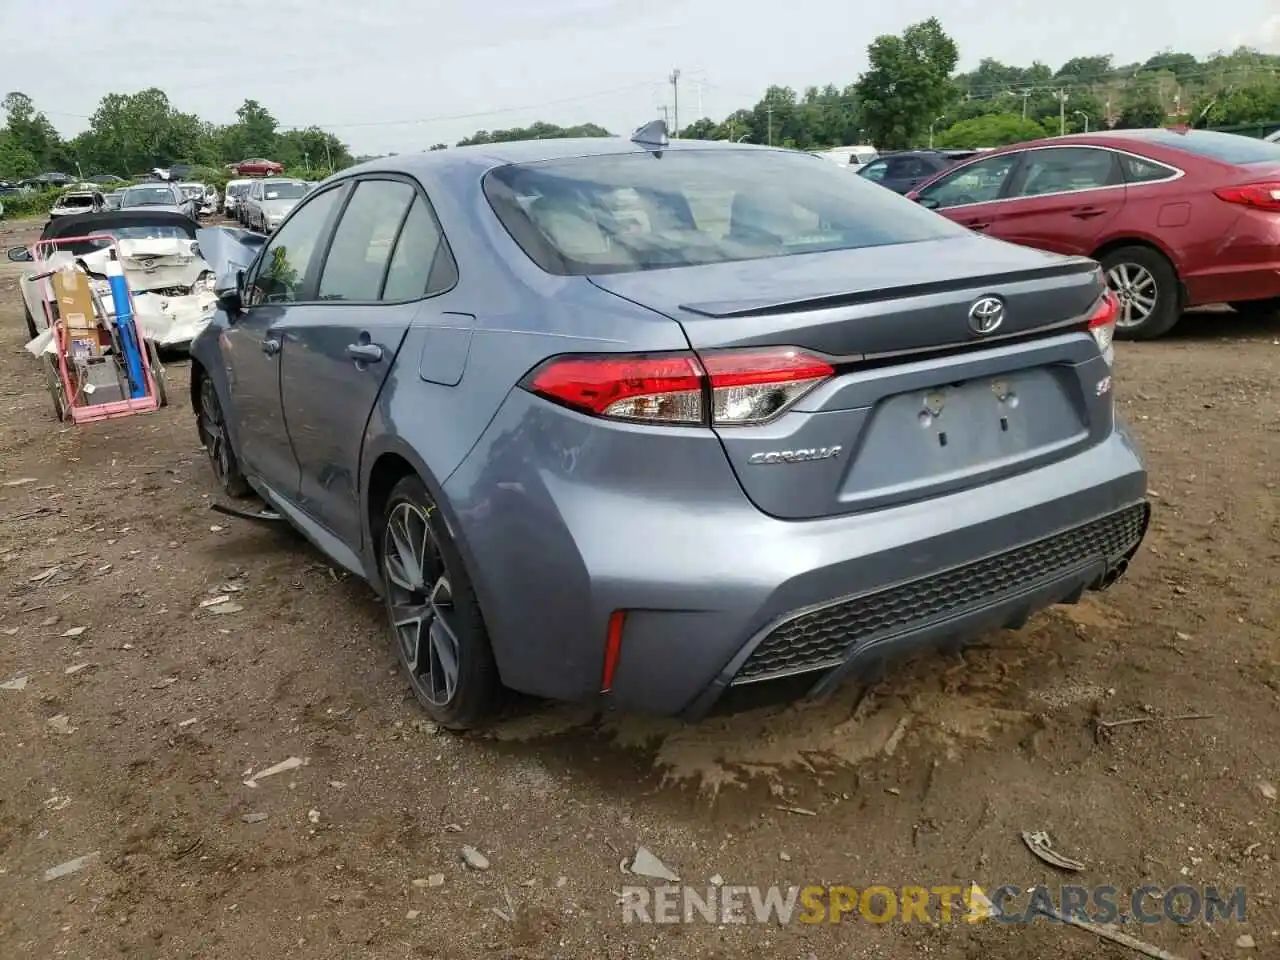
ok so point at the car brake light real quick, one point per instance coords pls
(1102, 321)
(1263, 196)
(721, 387)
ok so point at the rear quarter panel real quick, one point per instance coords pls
(504, 317)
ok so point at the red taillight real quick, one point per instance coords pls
(744, 386)
(664, 388)
(1261, 196)
(1102, 321)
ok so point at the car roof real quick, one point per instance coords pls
(487, 155)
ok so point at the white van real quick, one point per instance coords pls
(855, 158)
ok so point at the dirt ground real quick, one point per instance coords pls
(143, 714)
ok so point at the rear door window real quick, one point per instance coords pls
(356, 263)
(1066, 170)
(1141, 170)
(421, 263)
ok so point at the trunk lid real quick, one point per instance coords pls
(921, 403)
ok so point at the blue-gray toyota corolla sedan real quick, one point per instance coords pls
(638, 422)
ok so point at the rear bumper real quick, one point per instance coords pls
(1243, 264)
(561, 532)
(836, 638)
(1248, 281)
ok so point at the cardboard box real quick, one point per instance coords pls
(75, 304)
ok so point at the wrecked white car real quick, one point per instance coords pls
(204, 196)
(169, 263)
(84, 198)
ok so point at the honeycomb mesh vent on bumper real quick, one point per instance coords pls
(822, 637)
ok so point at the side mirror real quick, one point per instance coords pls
(929, 203)
(227, 290)
(20, 255)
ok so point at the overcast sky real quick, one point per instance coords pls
(403, 74)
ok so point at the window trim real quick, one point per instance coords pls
(1176, 173)
(310, 278)
(311, 286)
(419, 194)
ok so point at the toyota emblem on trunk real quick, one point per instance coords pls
(986, 315)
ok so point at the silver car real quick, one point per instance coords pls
(269, 201)
(159, 196)
(635, 423)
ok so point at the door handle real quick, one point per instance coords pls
(271, 346)
(977, 225)
(1086, 213)
(364, 352)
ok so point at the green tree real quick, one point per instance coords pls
(16, 163)
(908, 83)
(1084, 70)
(536, 131)
(253, 134)
(439, 146)
(31, 132)
(130, 133)
(1145, 111)
(992, 130)
(1183, 66)
(311, 147)
(703, 129)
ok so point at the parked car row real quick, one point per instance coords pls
(263, 204)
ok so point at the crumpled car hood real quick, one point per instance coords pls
(154, 264)
(228, 249)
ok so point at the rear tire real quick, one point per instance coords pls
(434, 616)
(1147, 286)
(1257, 309)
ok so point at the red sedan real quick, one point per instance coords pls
(258, 167)
(1178, 217)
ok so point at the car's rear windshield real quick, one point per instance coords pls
(1223, 147)
(77, 200)
(147, 196)
(287, 190)
(237, 189)
(621, 213)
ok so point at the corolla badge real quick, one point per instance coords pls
(795, 456)
(986, 315)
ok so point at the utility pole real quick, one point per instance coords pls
(1026, 95)
(1081, 113)
(768, 110)
(675, 101)
(1061, 96)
